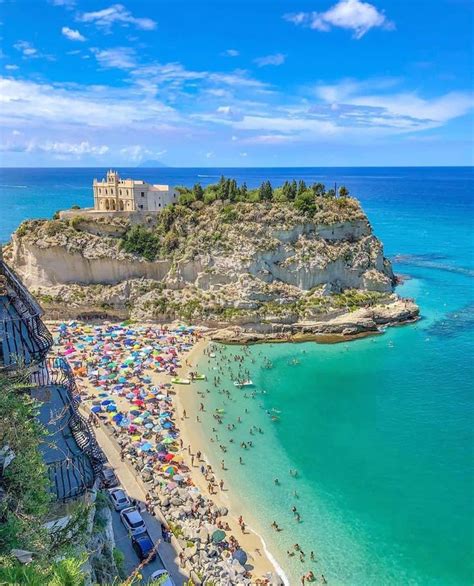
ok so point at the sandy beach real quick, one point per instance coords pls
(182, 399)
(193, 434)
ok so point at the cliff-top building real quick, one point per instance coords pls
(130, 195)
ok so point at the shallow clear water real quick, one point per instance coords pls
(381, 429)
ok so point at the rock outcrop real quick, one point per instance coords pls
(256, 266)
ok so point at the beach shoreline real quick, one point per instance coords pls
(193, 434)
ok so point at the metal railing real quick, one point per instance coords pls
(23, 336)
(57, 372)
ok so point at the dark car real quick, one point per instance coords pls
(144, 546)
(108, 477)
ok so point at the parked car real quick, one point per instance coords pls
(133, 521)
(144, 546)
(108, 477)
(162, 576)
(119, 499)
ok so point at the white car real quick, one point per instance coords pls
(119, 499)
(133, 521)
(162, 578)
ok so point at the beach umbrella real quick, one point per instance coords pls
(178, 477)
(96, 409)
(171, 485)
(168, 457)
(218, 536)
(146, 447)
(138, 420)
(107, 402)
(168, 440)
(167, 425)
(112, 407)
(240, 556)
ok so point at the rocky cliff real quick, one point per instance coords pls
(261, 267)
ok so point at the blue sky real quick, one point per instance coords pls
(236, 83)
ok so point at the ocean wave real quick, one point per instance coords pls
(218, 176)
(429, 261)
(275, 564)
(13, 186)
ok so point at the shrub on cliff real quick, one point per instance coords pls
(304, 202)
(141, 241)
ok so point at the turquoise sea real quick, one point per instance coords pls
(381, 429)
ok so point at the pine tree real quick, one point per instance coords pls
(343, 191)
(233, 190)
(301, 187)
(294, 189)
(198, 192)
(243, 191)
(319, 189)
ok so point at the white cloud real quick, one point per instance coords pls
(26, 49)
(354, 15)
(56, 106)
(243, 154)
(230, 53)
(369, 101)
(276, 59)
(65, 3)
(116, 14)
(137, 152)
(11, 67)
(209, 155)
(120, 57)
(57, 148)
(72, 34)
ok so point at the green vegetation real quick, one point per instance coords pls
(229, 191)
(139, 240)
(26, 501)
(119, 559)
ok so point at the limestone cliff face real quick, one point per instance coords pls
(242, 263)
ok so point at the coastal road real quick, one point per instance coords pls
(123, 542)
(129, 482)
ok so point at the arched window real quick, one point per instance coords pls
(121, 208)
(107, 205)
(112, 204)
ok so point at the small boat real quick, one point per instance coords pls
(180, 381)
(294, 362)
(198, 377)
(212, 355)
(243, 383)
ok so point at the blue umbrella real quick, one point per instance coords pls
(240, 556)
(117, 418)
(96, 409)
(111, 407)
(146, 447)
(107, 402)
(167, 425)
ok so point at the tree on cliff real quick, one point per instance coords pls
(343, 191)
(319, 189)
(266, 192)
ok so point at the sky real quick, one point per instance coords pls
(237, 83)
